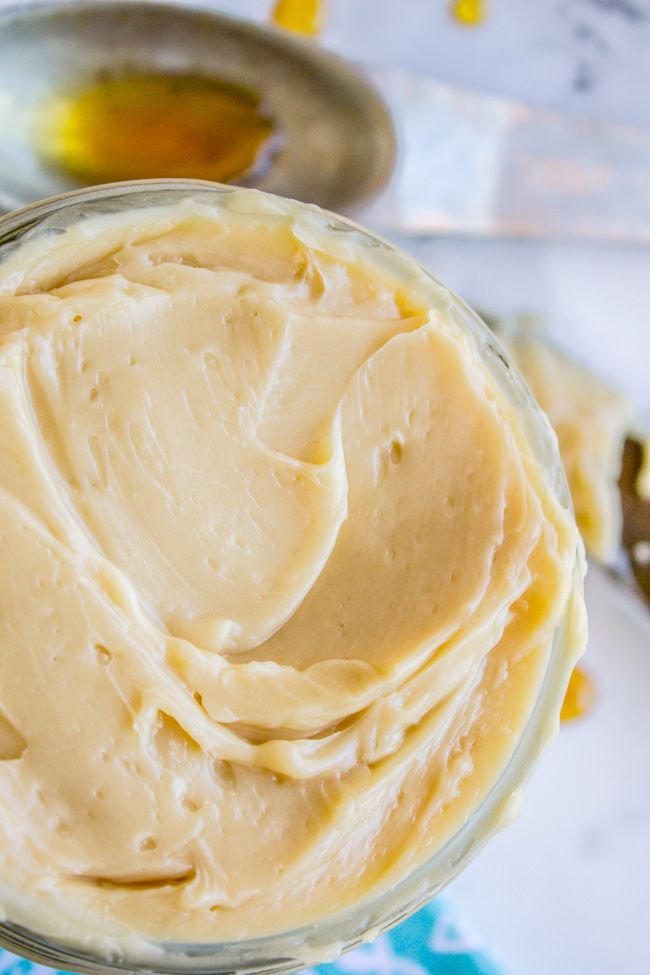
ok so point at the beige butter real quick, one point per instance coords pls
(279, 578)
(591, 421)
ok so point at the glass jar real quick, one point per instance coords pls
(327, 938)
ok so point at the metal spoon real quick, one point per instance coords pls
(338, 144)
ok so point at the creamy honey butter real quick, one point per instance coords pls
(591, 421)
(280, 575)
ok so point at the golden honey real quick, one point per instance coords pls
(580, 696)
(301, 16)
(139, 126)
(468, 12)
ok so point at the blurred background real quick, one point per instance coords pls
(541, 222)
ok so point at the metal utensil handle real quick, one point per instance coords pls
(475, 164)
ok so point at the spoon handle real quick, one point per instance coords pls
(480, 165)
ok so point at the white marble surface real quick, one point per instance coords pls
(582, 56)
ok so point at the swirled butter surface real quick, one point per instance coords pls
(280, 573)
(591, 420)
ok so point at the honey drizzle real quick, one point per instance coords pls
(301, 16)
(468, 12)
(134, 126)
(580, 696)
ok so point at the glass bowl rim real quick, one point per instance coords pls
(327, 938)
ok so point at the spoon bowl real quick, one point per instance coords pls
(336, 145)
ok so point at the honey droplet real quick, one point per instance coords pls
(301, 16)
(468, 12)
(580, 695)
(141, 126)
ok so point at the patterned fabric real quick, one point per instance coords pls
(435, 941)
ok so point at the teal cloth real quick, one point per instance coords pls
(435, 941)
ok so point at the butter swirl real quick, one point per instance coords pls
(280, 573)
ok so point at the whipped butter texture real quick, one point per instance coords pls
(591, 420)
(279, 573)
